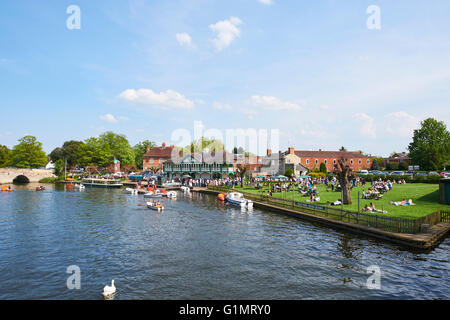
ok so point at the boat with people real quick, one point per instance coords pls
(104, 183)
(6, 189)
(157, 206)
(40, 188)
(238, 199)
(185, 189)
(154, 194)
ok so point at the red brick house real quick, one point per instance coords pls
(398, 158)
(155, 157)
(312, 159)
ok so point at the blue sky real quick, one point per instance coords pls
(311, 69)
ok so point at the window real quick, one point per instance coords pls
(334, 161)
(307, 161)
(326, 161)
(160, 160)
(360, 161)
(351, 161)
(317, 161)
(151, 160)
(368, 161)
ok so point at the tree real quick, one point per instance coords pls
(403, 165)
(392, 166)
(95, 153)
(289, 173)
(342, 149)
(377, 163)
(140, 150)
(119, 147)
(344, 173)
(205, 145)
(242, 169)
(430, 148)
(28, 153)
(323, 168)
(5, 156)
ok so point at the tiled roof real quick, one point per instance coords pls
(159, 152)
(329, 154)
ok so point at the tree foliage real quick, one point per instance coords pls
(289, 172)
(140, 150)
(5, 156)
(118, 146)
(430, 148)
(28, 153)
(323, 168)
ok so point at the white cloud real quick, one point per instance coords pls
(184, 39)
(220, 106)
(401, 124)
(267, 2)
(273, 103)
(108, 118)
(366, 125)
(227, 31)
(165, 100)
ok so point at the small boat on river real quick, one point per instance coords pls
(237, 198)
(154, 194)
(157, 206)
(80, 186)
(104, 183)
(171, 194)
(40, 188)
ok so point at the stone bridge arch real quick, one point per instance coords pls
(21, 179)
(8, 175)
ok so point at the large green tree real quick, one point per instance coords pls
(430, 148)
(70, 151)
(139, 151)
(5, 156)
(119, 147)
(28, 153)
(95, 153)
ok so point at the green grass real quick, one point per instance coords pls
(425, 196)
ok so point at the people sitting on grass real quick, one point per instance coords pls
(335, 203)
(371, 208)
(403, 203)
(312, 198)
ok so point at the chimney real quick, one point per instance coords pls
(291, 150)
(320, 150)
(163, 145)
(269, 152)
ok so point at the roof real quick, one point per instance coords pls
(159, 152)
(204, 157)
(329, 154)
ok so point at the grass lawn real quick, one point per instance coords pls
(425, 196)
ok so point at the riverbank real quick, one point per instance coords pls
(422, 241)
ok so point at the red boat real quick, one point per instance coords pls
(40, 188)
(221, 197)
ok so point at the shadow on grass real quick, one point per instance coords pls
(432, 197)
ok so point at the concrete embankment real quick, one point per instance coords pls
(421, 241)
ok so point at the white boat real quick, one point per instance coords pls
(238, 199)
(153, 195)
(185, 189)
(104, 183)
(79, 186)
(172, 194)
(155, 206)
(131, 191)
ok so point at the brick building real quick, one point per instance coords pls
(155, 157)
(312, 159)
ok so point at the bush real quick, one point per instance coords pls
(403, 166)
(48, 180)
(392, 166)
(317, 174)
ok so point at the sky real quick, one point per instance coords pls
(316, 71)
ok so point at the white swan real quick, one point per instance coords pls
(109, 290)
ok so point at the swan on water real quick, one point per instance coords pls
(109, 290)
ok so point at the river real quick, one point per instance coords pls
(198, 248)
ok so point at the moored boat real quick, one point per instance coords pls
(79, 186)
(104, 183)
(40, 188)
(171, 194)
(131, 191)
(222, 196)
(237, 198)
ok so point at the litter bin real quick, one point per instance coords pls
(444, 191)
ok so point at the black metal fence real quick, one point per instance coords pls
(391, 224)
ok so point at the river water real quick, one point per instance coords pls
(198, 248)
